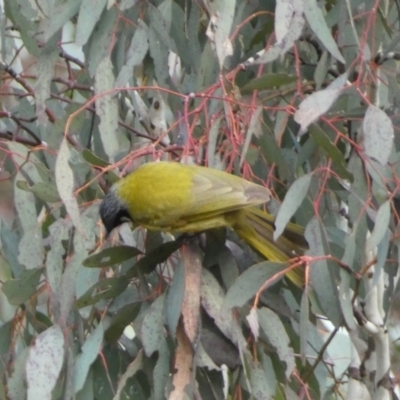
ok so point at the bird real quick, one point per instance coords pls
(174, 197)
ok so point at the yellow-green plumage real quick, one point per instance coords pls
(174, 197)
(185, 198)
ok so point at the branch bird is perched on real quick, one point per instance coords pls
(173, 197)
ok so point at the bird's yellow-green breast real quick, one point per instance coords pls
(155, 191)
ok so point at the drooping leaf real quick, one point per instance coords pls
(158, 255)
(284, 11)
(212, 299)
(152, 331)
(254, 129)
(111, 256)
(22, 15)
(106, 108)
(213, 135)
(268, 81)
(320, 277)
(54, 260)
(318, 103)
(222, 14)
(136, 52)
(88, 355)
(259, 385)
(317, 23)
(339, 164)
(44, 363)
(20, 290)
(104, 289)
(292, 201)
(59, 15)
(65, 185)
(30, 248)
(120, 320)
(131, 370)
(380, 228)
(15, 390)
(93, 159)
(248, 283)
(41, 190)
(277, 336)
(175, 298)
(304, 323)
(160, 21)
(98, 46)
(89, 14)
(46, 63)
(378, 134)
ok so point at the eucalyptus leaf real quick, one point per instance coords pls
(292, 201)
(20, 290)
(277, 336)
(175, 298)
(317, 23)
(44, 363)
(378, 134)
(320, 276)
(152, 331)
(268, 81)
(89, 353)
(89, 14)
(250, 281)
(111, 256)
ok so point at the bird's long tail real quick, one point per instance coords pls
(256, 227)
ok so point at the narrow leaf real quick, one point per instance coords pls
(60, 14)
(381, 226)
(104, 289)
(137, 50)
(378, 134)
(89, 14)
(85, 359)
(267, 82)
(260, 388)
(248, 283)
(111, 256)
(120, 320)
(175, 299)
(322, 139)
(304, 321)
(292, 201)
(219, 28)
(44, 363)
(320, 277)
(30, 247)
(277, 336)
(318, 103)
(135, 366)
(317, 23)
(107, 108)
(254, 129)
(20, 290)
(65, 185)
(212, 300)
(152, 330)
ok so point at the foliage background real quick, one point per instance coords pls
(90, 89)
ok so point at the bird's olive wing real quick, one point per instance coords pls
(181, 195)
(214, 192)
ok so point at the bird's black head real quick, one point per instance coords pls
(113, 212)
